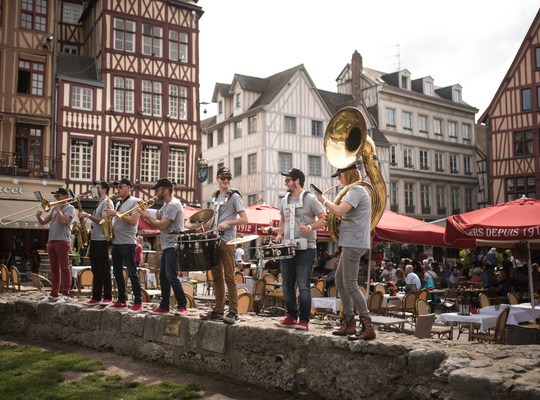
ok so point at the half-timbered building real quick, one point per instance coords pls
(512, 126)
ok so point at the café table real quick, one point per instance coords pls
(527, 307)
(386, 297)
(515, 317)
(332, 303)
(484, 321)
(387, 322)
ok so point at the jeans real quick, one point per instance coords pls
(347, 281)
(60, 269)
(168, 278)
(223, 275)
(297, 270)
(124, 255)
(101, 270)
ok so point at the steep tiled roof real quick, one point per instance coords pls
(275, 84)
(336, 101)
(77, 67)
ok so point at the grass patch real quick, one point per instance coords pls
(28, 372)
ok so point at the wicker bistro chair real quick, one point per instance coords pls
(422, 308)
(259, 293)
(512, 299)
(499, 335)
(4, 283)
(375, 302)
(321, 285)
(483, 300)
(40, 281)
(245, 303)
(188, 288)
(407, 310)
(16, 282)
(332, 291)
(84, 280)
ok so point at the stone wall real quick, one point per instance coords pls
(393, 366)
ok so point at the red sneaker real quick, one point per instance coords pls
(287, 322)
(105, 302)
(118, 306)
(92, 302)
(159, 311)
(181, 311)
(302, 325)
(137, 308)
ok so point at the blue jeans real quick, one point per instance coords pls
(124, 255)
(297, 270)
(168, 278)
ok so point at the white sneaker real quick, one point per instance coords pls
(63, 299)
(49, 299)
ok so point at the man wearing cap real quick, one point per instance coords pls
(229, 211)
(58, 245)
(169, 217)
(123, 246)
(301, 215)
(99, 249)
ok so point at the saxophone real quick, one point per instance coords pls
(79, 228)
(106, 223)
(344, 141)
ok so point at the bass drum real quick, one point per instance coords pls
(197, 252)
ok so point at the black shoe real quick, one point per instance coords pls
(212, 316)
(231, 318)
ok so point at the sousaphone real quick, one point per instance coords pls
(345, 140)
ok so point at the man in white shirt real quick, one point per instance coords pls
(412, 279)
(239, 257)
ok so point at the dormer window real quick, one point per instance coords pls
(428, 88)
(456, 94)
(220, 107)
(404, 82)
(238, 100)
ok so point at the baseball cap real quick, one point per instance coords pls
(162, 183)
(295, 173)
(224, 171)
(123, 181)
(340, 170)
(61, 191)
(104, 184)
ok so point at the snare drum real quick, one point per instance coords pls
(277, 252)
(197, 252)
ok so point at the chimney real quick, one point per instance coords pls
(356, 72)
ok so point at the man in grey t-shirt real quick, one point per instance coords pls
(170, 217)
(58, 246)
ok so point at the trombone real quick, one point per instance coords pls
(143, 205)
(45, 206)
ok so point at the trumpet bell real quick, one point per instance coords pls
(345, 137)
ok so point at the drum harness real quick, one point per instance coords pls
(217, 206)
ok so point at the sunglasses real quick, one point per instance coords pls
(225, 178)
(288, 180)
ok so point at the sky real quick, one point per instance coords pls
(466, 42)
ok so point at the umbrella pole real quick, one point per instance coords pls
(531, 286)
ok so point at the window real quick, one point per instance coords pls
(467, 165)
(409, 197)
(252, 124)
(178, 100)
(81, 98)
(220, 107)
(238, 100)
(422, 124)
(237, 129)
(31, 78)
(390, 117)
(424, 159)
(28, 147)
(120, 163)
(317, 128)
(454, 164)
(456, 94)
(452, 131)
(437, 127)
(71, 13)
(404, 82)
(523, 143)
(408, 157)
(519, 186)
(394, 196)
(151, 98)
(150, 161)
(34, 15)
(237, 162)
(80, 159)
(69, 49)
(526, 100)
(252, 199)
(220, 136)
(455, 200)
(538, 97)
(290, 124)
(439, 162)
(210, 174)
(393, 155)
(425, 199)
(124, 93)
(209, 140)
(407, 125)
(468, 199)
(284, 161)
(252, 163)
(124, 35)
(466, 132)
(176, 169)
(428, 88)
(441, 200)
(537, 57)
(178, 46)
(314, 165)
(152, 37)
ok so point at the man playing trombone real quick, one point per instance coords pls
(99, 250)
(170, 217)
(60, 216)
(123, 245)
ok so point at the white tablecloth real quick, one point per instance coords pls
(485, 321)
(515, 316)
(527, 307)
(387, 297)
(332, 303)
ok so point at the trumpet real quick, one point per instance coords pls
(45, 205)
(143, 205)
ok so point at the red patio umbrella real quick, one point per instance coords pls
(259, 217)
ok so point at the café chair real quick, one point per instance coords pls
(363, 290)
(379, 287)
(245, 303)
(16, 282)
(450, 300)
(143, 277)
(512, 299)
(270, 280)
(145, 296)
(520, 335)
(422, 328)
(424, 295)
(321, 285)
(188, 288)
(499, 335)
(40, 281)
(407, 310)
(259, 292)
(84, 280)
(241, 290)
(375, 302)
(4, 282)
(483, 300)
(332, 291)
(422, 308)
